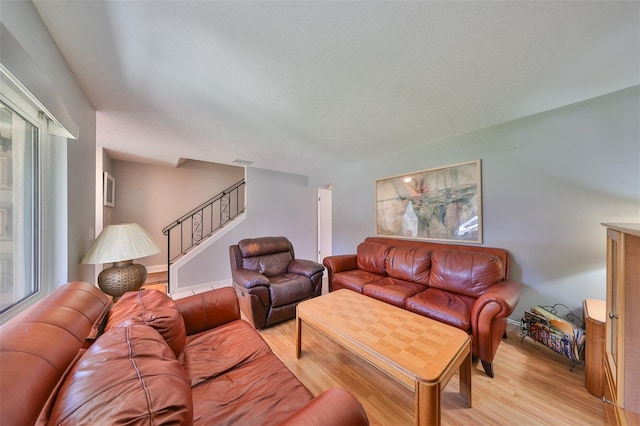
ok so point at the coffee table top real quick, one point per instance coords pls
(392, 338)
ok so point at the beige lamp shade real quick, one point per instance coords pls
(121, 244)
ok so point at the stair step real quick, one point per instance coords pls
(157, 277)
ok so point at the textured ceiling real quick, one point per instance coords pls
(301, 86)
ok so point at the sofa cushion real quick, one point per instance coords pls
(128, 376)
(372, 256)
(213, 352)
(409, 264)
(289, 288)
(464, 272)
(392, 290)
(260, 392)
(354, 280)
(152, 308)
(444, 306)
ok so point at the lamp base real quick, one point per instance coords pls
(122, 277)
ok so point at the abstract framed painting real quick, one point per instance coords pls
(443, 203)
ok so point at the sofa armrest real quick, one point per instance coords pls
(305, 267)
(506, 294)
(208, 310)
(247, 278)
(340, 263)
(333, 407)
(498, 302)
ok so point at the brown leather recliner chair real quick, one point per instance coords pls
(270, 281)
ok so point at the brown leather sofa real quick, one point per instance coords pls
(74, 359)
(270, 281)
(467, 287)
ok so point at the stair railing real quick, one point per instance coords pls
(194, 227)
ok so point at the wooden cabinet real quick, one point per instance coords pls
(594, 325)
(622, 331)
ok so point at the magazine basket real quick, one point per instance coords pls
(564, 336)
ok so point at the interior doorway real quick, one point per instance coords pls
(324, 224)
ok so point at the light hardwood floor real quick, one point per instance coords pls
(532, 384)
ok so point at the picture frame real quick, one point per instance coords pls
(6, 230)
(5, 171)
(441, 204)
(109, 190)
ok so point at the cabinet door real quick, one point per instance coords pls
(594, 323)
(629, 329)
(615, 274)
(610, 409)
(622, 357)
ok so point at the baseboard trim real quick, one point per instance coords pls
(514, 322)
(513, 326)
(181, 293)
(156, 268)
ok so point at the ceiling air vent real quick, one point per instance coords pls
(240, 162)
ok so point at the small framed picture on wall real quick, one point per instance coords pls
(109, 190)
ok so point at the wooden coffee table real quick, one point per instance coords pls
(421, 353)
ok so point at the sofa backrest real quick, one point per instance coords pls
(38, 346)
(500, 253)
(371, 257)
(464, 272)
(462, 269)
(409, 264)
(267, 255)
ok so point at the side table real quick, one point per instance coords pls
(594, 320)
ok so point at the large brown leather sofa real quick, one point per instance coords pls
(74, 359)
(467, 287)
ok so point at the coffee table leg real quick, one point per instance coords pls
(298, 336)
(465, 378)
(428, 404)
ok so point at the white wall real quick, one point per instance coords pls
(548, 181)
(154, 195)
(278, 204)
(74, 165)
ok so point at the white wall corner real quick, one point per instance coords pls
(174, 269)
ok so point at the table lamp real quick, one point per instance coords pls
(121, 244)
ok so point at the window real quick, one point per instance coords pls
(20, 142)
